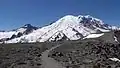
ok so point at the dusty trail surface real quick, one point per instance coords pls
(48, 62)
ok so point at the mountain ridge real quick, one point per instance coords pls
(8, 35)
(68, 27)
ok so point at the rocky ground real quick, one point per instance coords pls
(87, 54)
(20, 57)
(117, 34)
(70, 54)
(24, 55)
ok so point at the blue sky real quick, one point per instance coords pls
(15, 13)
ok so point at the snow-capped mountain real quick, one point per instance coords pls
(8, 35)
(67, 28)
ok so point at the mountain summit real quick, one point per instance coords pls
(67, 28)
(29, 26)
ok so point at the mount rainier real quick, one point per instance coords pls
(67, 28)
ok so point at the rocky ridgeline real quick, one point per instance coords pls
(89, 54)
(20, 57)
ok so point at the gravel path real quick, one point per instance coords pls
(48, 62)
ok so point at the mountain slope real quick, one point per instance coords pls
(69, 28)
(8, 35)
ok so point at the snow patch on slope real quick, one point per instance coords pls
(115, 39)
(32, 37)
(58, 36)
(94, 35)
(114, 59)
(20, 30)
(6, 34)
(103, 30)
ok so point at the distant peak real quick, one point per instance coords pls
(79, 16)
(28, 25)
(82, 17)
(68, 16)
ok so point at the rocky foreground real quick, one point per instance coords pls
(93, 53)
(20, 57)
(23, 55)
(70, 54)
(88, 54)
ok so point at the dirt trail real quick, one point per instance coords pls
(48, 62)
